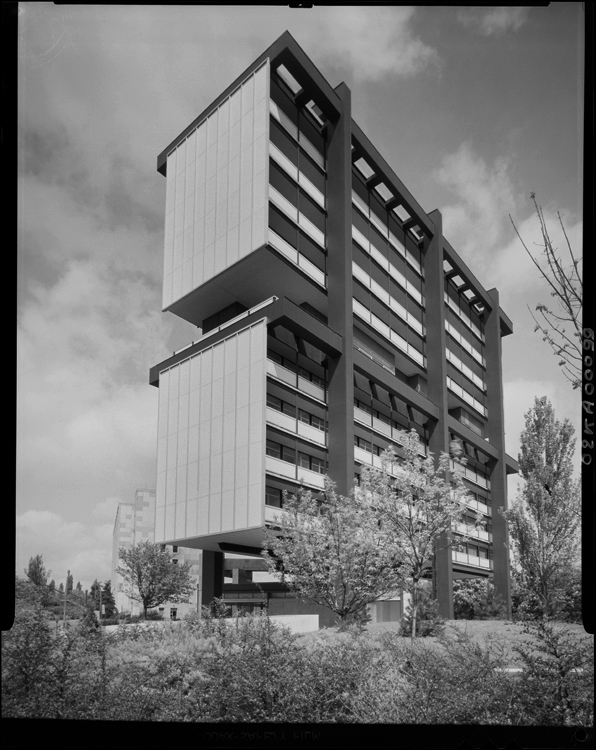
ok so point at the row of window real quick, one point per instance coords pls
(387, 332)
(455, 334)
(297, 134)
(290, 409)
(412, 287)
(299, 218)
(454, 307)
(290, 365)
(299, 177)
(385, 232)
(465, 396)
(400, 422)
(387, 299)
(456, 362)
(292, 456)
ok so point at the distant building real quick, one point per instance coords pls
(332, 314)
(135, 522)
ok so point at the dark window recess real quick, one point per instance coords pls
(273, 496)
(362, 443)
(359, 222)
(221, 317)
(313, 173)
(310, 131)
(311, 251)
(283, 184)
(312, 211)
(283, 227)
(361, 258)
(283, 101)
(283, 406)
(283, 141)
(276, 450)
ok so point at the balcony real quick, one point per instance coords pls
(296, 381)
(294, 473)
(480, 507)
(291, 424)
(390, 432)
(470, 531)
(476, 562)
(364, 457)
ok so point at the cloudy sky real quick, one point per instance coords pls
(474, 109)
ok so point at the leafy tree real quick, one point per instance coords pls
(419, 507)
(52, 587)
(566, 288)
(544, 520)
(330, 550)
(151, 577)
(107, 598)
(476, 599)
(61, 588)
(69, 583)
(36, 571)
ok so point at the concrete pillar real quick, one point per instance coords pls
(437, 392)
(496, 436)
(340, 394)
(211, 579)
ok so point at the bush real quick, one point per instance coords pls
(475, 599)
(557, 683)
(247, 669)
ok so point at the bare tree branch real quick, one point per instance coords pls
(566, 287)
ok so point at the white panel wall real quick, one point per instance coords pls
(211, 439)
(216, 195)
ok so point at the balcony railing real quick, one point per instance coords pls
(296, 381)
(382, 427)
(477, 562)
(462, 528)
(294, 472)
(291, 424)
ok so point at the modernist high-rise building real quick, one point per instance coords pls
(333, 314)
(135, 523)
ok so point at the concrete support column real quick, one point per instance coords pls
(211, 579)
(496, 436)
(437, 392)
(340, 394)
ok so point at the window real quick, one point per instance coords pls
(173, 613)
(317, 464)
(282, 452)
(311, 419)
(283, 406)
(273, 496)
(175, 548)
(362, 443)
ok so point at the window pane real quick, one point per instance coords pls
(274, 402)
(273, 449)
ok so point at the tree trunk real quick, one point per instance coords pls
(414, 612)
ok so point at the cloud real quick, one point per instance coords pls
(485, 199)
(512, 255)
(493, 21)
(65, 545)
(374, 41)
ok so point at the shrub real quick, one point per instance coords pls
(475, 599)
(556, 686)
